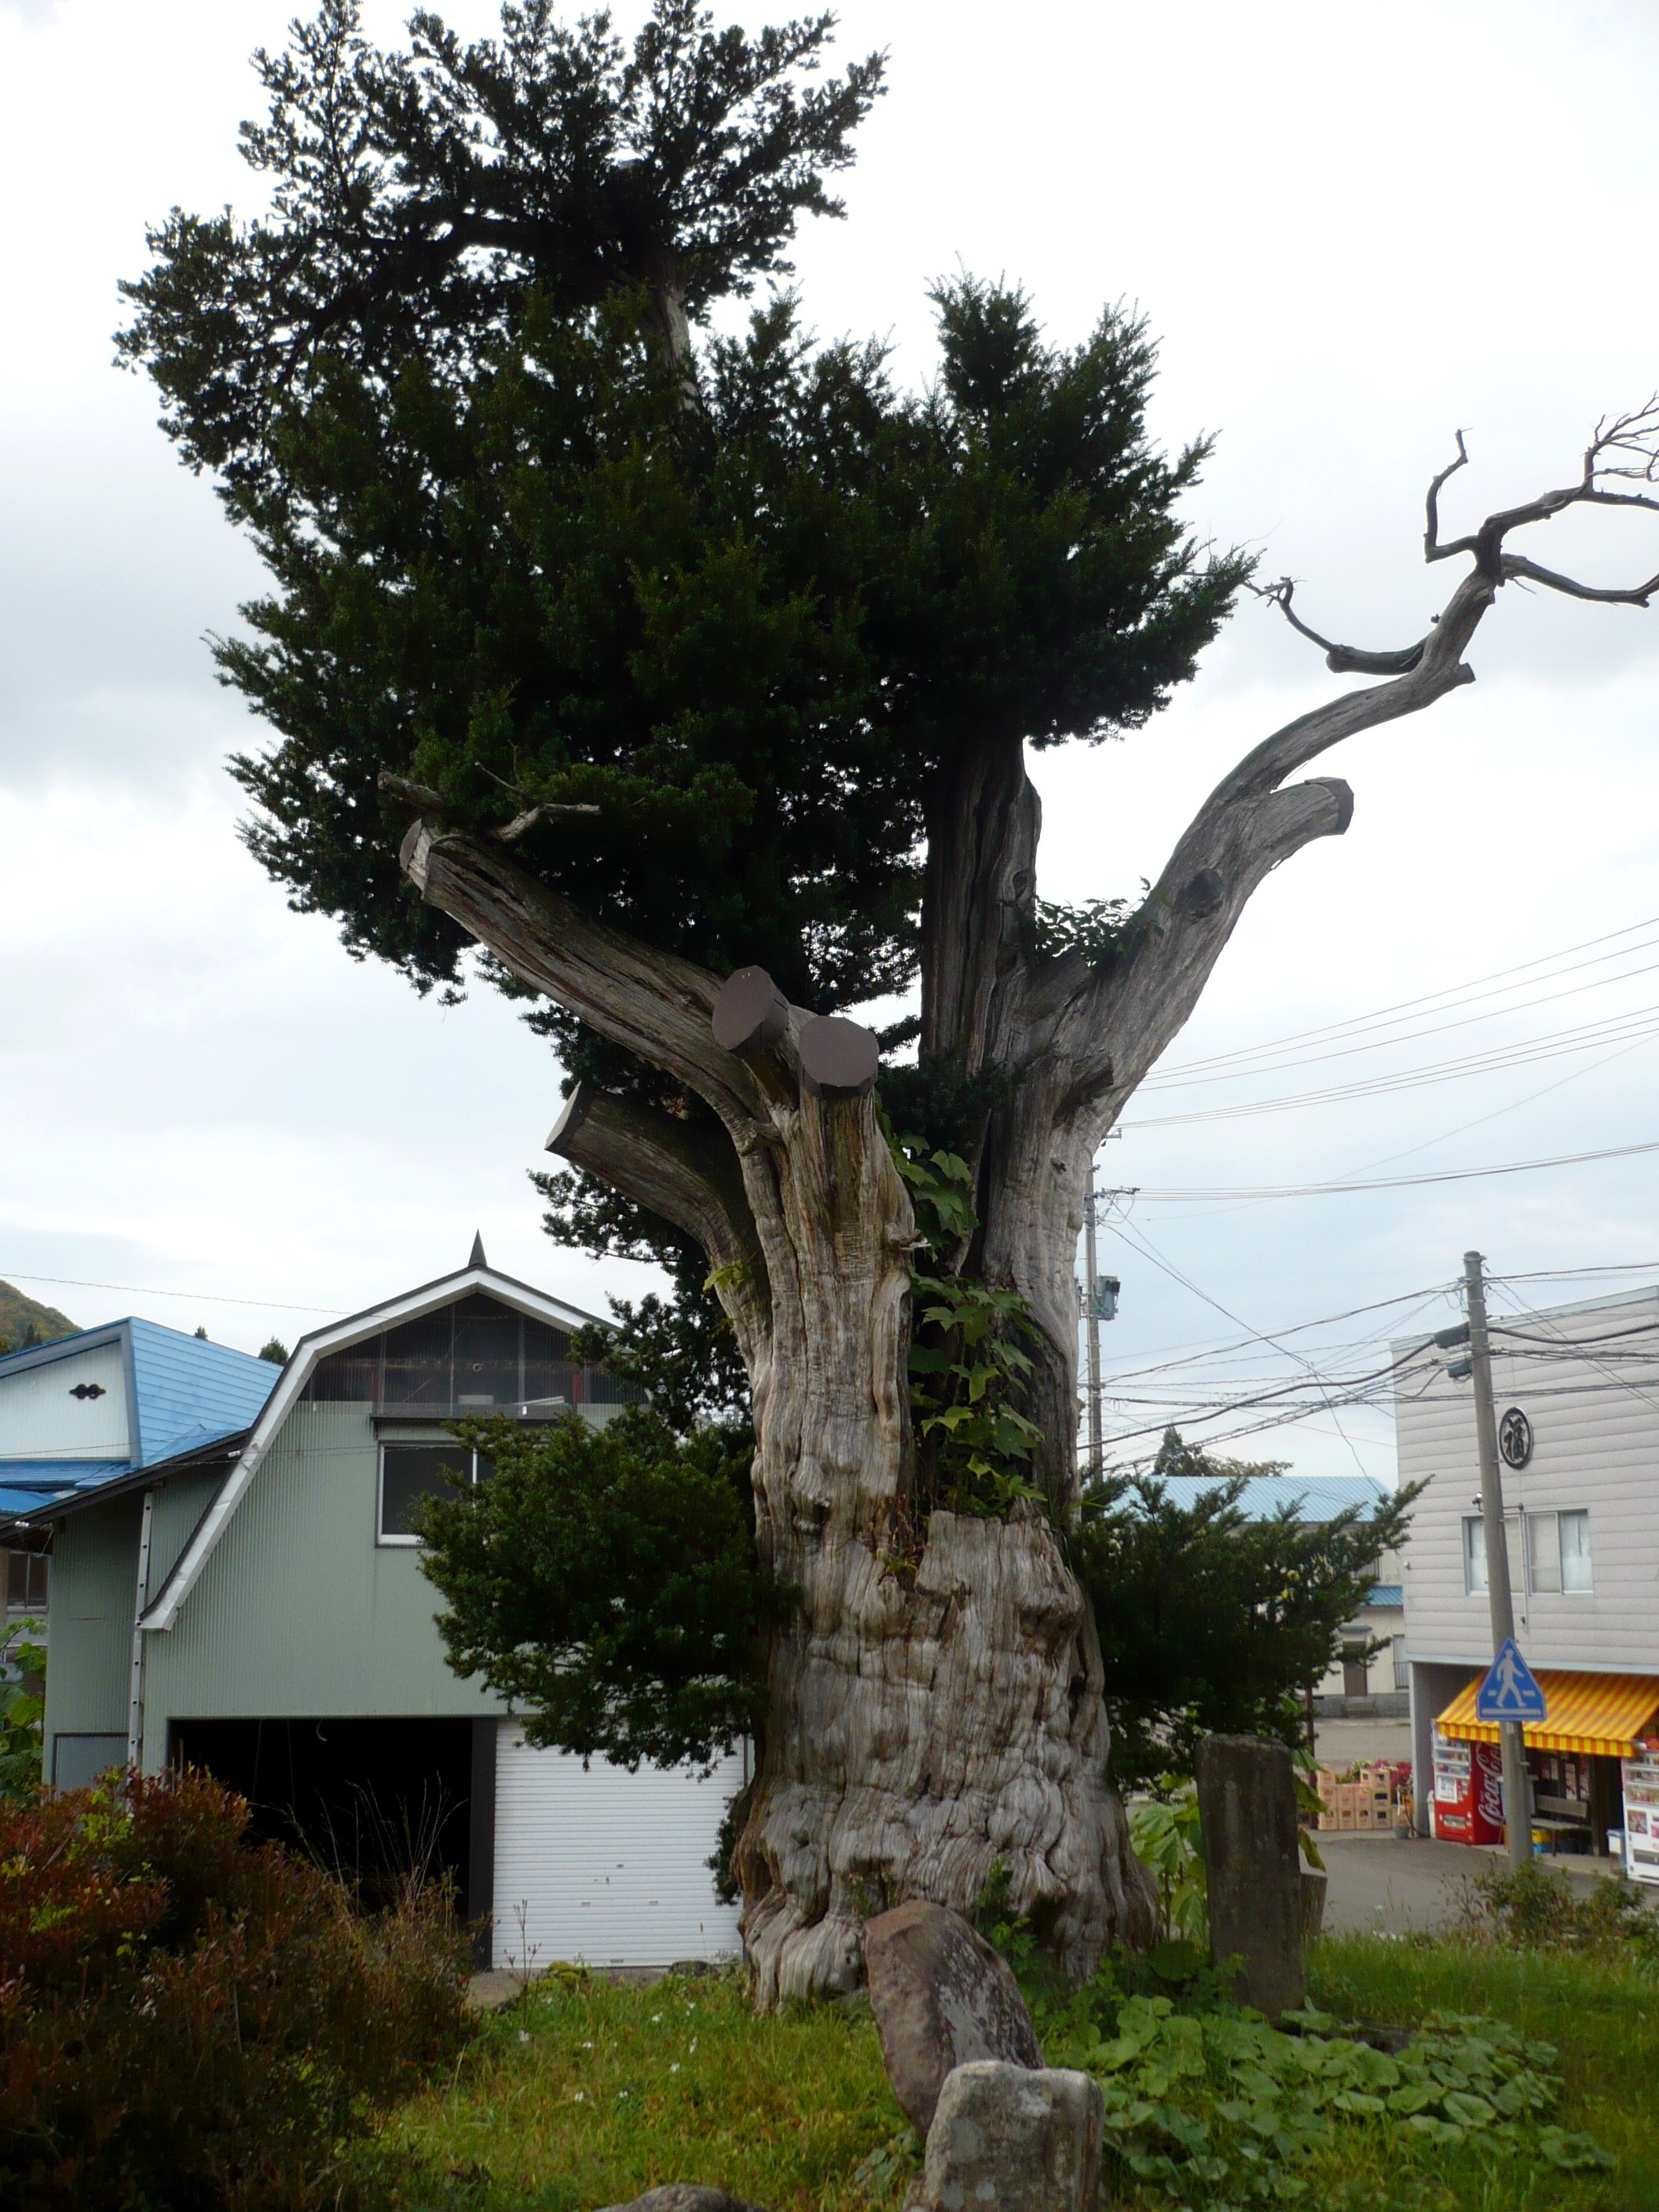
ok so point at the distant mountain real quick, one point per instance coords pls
(25, 1321)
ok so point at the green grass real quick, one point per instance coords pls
(585, 2094)
(1603, 2018)
(589, 2094)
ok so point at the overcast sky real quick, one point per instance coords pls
(1356, 230)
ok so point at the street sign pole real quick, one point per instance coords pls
(1517, 1811)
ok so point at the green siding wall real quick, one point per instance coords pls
(299, 1613)
(94, 1583)
(179, 1504)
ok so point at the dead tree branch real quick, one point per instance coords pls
(689, 1176)
(1252, 822)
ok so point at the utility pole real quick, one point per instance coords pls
(1517, 1811)
(1091, 1319)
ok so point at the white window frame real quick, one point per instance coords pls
(1587, 1588)
(1544, 1553)
(411, 1543)
(1474, 1550)
(1476, 1579)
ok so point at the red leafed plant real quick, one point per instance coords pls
(189, 2021)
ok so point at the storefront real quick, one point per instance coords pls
(1592, 1768)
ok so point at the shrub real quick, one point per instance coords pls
(1532, 1908)
(189, 2022)
(23, 1680)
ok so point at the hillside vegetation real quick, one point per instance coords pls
(24, 1321)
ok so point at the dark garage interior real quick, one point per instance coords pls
(374, 1800)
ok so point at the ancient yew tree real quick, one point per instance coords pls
(689, 669)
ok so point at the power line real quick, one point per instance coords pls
(1197, 1193)
(150, 1290)
(1443, 998)
(1634, 1028)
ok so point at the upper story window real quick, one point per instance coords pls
(1557, 1551)
(1553, 1554)
(477, 1356)
(28, 1575)
(412, 1472)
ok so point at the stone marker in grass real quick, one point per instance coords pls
(940, 1996)
(1253, 1867)
(1011, 2139)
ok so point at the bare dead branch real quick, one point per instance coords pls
(1516, 568)
(420, 796)
(653, 1003)
(690, 1176)
(1346, 659)
(510, 833)
(1432, 549)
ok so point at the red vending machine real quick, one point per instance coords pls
(1468, 1791)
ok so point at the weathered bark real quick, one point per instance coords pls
(936, 1700)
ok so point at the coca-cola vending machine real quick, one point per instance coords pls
(1468, 1791)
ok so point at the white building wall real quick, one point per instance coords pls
(1587, 1377)
(41, 1418)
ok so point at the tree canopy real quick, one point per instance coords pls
(1211, 1621)
(745, 598)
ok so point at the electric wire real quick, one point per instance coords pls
(1444, 999)
(1628, 1030)
(1204, 1192)
(151, 1291)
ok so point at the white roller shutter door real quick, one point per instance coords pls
(604, 1866)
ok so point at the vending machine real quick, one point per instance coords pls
(1468, 1791)
(1642, 1816)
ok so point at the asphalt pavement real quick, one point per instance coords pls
(1380, 1886)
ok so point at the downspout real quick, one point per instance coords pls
(136, 1672)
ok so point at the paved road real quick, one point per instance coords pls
(1381, 1884)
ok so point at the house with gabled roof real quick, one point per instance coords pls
(252, 1602)
(96, 1409)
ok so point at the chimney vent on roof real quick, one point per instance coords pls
(478, 1259)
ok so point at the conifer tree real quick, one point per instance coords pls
(690, 671)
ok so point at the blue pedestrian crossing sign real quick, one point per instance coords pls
(1510, 1691)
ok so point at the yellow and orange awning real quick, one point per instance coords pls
(1604, 1715)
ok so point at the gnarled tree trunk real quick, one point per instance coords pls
(935, 1689)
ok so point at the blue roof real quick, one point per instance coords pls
(27, 1485)
(1315, 1496)
(191, 1391)
(187, 1392)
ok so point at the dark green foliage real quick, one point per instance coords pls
(973, 1446)
(22, 1708)
(420, 198)
(275, 1351)
(1211, 1622)
(188, 2024)
(606, 1581)
(512, 559)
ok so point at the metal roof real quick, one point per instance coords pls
(1315, 1496)
(183, 1393)
(27, 1485)
(189, 1391)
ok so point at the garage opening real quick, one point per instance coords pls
(376, 1801)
